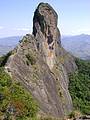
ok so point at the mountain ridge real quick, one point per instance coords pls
(79, 45)
(78, 50)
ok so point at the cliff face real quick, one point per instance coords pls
(46, 32)
(41, 64)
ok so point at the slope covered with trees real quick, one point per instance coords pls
(80, 86)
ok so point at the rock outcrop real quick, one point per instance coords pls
(46, 32)
(41, 64)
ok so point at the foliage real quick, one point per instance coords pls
(4, 59)
(80, 86)
(72, 115)
(15, 101)
(31, 59)
(5, 79)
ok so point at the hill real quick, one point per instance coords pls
(8, 43)
(78, 46)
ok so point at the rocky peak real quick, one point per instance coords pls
(46, 32)
(41, 64)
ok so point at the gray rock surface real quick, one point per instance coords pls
(41, 64)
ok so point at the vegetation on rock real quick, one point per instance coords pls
(4, 59)
(31, 59)
(15, 102)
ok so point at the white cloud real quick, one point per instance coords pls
(22, 29)
(85, 31)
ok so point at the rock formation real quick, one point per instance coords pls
(41, 64)
(45, 25)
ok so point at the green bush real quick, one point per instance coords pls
(31, 59)
(5, 79)
(79, 86)
(4, 59)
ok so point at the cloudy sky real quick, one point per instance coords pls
(16, 16)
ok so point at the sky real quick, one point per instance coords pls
(16, 16)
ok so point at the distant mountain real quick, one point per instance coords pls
(8, 43)
(78, 45)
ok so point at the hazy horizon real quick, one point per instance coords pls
(16, 17)
(62, 35)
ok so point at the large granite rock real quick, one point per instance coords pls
(41, 64)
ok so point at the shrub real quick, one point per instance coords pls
(31, 59)
(5, 79)
(4, 59)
